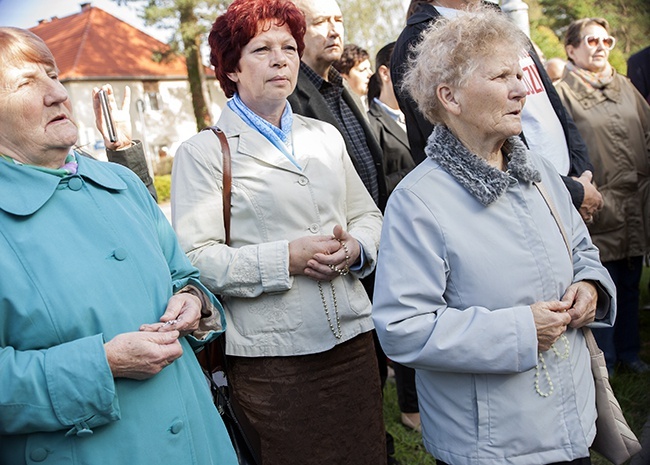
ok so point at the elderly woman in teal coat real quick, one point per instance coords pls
(100, 309)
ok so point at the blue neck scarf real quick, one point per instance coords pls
(279, 137)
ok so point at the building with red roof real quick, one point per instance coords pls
(93, 47)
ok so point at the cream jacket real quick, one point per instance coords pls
(269, 312)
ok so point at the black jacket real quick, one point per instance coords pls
(394, 143)
(306, 100)
(418, 128)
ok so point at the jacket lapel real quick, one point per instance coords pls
(389, 125)
(250, 142)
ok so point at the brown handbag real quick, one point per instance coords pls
(212, 356)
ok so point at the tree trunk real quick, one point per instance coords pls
(195, 75)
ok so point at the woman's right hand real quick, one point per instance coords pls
(302, 251)
(551, 320)
(141, 355)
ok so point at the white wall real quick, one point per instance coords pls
(173, 123)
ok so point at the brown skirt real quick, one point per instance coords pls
(315, 409)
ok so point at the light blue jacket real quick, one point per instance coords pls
(455, 281)
(83, 259)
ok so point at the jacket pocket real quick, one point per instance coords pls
(269, 313)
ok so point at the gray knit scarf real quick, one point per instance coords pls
(483, 181)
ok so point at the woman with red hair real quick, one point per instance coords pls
(303, 231)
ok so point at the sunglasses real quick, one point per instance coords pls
(592, 41)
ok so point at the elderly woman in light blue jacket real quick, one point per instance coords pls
(476, 288)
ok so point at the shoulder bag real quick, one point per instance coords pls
(212, 358)
(614, 437)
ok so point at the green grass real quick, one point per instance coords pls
(632, 392)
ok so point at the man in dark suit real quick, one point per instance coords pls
(577, 175)
(387, 121)
(320, 93)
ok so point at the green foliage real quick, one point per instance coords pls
(163, 186)
(548, 42)
(372, 24)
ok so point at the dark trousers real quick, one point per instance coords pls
(582, 461)
(407, 395)
(622, 343)
(382, 362)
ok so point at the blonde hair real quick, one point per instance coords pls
(451, 50)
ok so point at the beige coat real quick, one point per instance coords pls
(615, 124)
(269, 312)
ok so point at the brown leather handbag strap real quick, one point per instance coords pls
(227, 179)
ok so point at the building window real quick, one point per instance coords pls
(151, 90)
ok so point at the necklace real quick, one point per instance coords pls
(337, 333)
(544, 369)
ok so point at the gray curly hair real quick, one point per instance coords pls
(451, 50)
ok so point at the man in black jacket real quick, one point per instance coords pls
(577, 176)
(320, 93)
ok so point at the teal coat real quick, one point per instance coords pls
(83, 259)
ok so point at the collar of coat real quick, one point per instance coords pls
(24, 190)
(589, 96)
(483, 181)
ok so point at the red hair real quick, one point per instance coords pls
(233, 30)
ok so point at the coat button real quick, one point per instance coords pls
(82, 433)
(314, 228)
(177, 426)
(119, 254)
(75, 183)
(38, 455)
(303, 181)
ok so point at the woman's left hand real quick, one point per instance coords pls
(338, 263)
(182, 314)
(583, 297)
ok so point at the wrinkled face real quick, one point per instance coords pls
(591, 57)
(359, 76)
(36, 118)
(324, 34)
(268, 69)
(492, 99)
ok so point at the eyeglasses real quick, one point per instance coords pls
(592, 41)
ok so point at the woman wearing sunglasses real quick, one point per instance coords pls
(614, 120)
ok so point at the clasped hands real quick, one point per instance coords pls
(144, 353)
(323, 258)
(576, 309)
